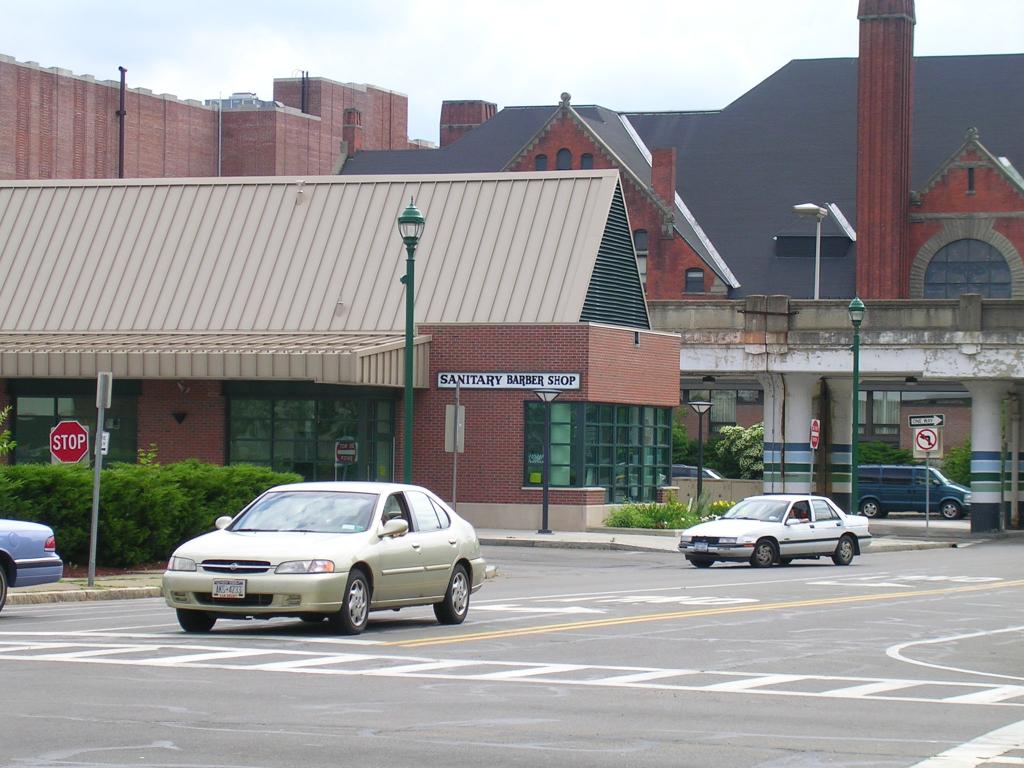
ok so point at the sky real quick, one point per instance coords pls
(637, 55)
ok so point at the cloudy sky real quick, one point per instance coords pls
(673, 54)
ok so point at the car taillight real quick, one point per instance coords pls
(51, 544)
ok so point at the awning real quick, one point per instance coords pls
(361, 359)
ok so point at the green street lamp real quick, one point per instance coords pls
(857, 311)
(700, 407)
(410, 227)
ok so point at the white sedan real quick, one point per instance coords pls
(765, 530)
(333, 551)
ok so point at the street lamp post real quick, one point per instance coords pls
(410, 227)
(547, 395)
(857, 311)
(819, 213)
(700, 407)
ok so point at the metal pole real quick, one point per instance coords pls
(547, 468)
(455, 449)
(855, 436)
(700, 455)
(817, 256)
(121, 112)
(410, 272)
(927, 493)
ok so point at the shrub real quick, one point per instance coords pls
(146, 510)
(672, 515)
(957, 464)
(739, 452)
(883, 453)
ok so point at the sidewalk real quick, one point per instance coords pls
(889, 536)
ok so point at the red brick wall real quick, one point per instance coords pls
(669, 256)
(57, 125)
(460, 117)
(199, 436)
(490, 469)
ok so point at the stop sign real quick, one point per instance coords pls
(69, 442)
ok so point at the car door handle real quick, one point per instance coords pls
(415, 546)
(453, 542)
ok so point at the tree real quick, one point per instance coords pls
(6, 444)
(883, 453)
(739, 451)
(684, 450)
(957, 464)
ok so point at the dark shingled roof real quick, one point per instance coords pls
(793, 139)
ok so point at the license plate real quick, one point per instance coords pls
(700, 546)
(230, 589)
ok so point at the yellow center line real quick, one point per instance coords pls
(720, 611)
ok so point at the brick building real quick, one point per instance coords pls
(262, 321)
(57, 125)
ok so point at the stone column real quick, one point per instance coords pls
(774, 433)
(986, 455)
(796, 449)
(838, 429)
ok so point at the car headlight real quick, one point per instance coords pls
(685, 539)
(181, 564)
(306, 566)
(726, 539)
(745, 540)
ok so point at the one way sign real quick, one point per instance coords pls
(928, 420)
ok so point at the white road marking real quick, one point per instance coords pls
(896, 652)
(978, 752)
(234, 659)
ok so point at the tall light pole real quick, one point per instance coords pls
(818, 212)
(410, 227)
(547, 395)
(857, 311)
(700, 407)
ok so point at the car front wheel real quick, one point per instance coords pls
(764, 554)
(870, 508)
(196, 621)
(3, 587)
(951, 510)
(845, 550)
(355, 605)
(455, 606)
(701, 562)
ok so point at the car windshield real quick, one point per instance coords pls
(309, 512)
(769, 510)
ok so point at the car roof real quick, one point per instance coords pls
(350, 486)
(787, 496)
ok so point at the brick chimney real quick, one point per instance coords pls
(663, 175)
(352, 131)
(885, 82)
(460, 117)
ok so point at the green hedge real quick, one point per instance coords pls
(146, 510)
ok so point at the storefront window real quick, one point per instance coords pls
(299, 434)
(34, 416)
(625, 449)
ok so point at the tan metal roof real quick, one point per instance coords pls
(327, 358)
(153, 266)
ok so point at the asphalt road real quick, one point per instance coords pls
(568, 658)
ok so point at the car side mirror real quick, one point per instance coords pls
(222, 522)
(394, 527)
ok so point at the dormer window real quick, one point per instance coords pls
(586, 161)
(540, 163)
(563, 160)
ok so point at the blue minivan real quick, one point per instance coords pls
(885, 488)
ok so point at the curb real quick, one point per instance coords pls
(541, 544)
(82, 595)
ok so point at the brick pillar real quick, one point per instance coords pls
(460, 117)
(352, 131)
(884, 107)
(663, 174)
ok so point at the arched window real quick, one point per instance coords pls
(967, 266)
(640, 244)
(563, 160)
(540, 163)
(694, 281)
(586, 161)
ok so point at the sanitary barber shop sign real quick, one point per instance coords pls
(508, 380)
